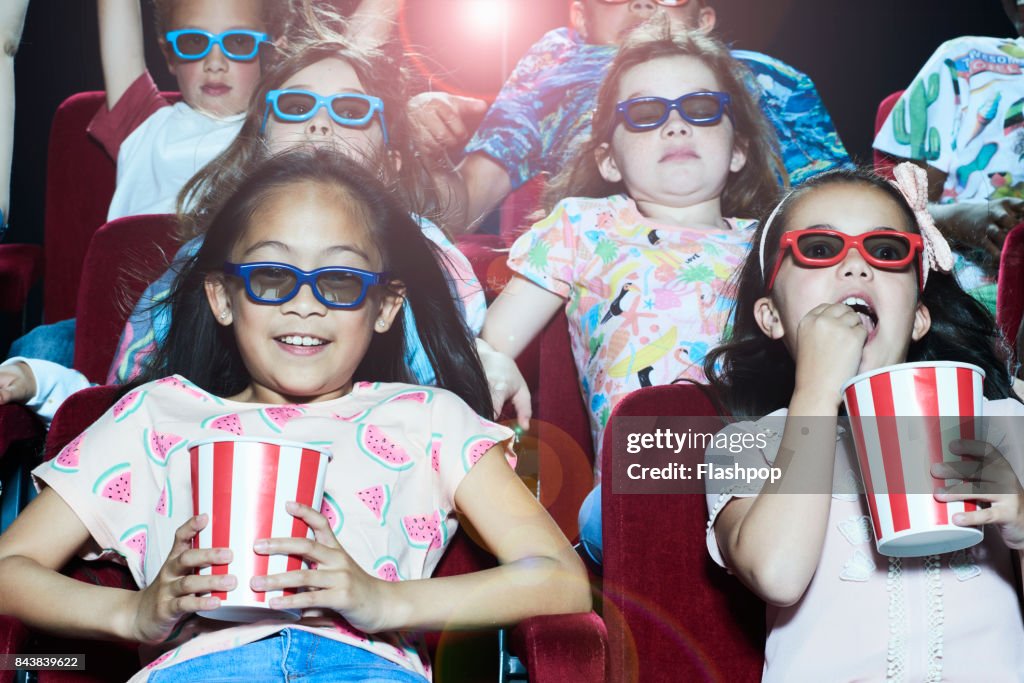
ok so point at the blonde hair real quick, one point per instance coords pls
(279, 16)
(748, 190)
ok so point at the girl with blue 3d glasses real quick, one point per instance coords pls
(326, 96)
(314, 338)
(352, 110)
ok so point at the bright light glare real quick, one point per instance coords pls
(485, 15)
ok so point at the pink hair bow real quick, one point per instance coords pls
(912, 182)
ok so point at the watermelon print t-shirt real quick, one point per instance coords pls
(127, 477)
(645, 301)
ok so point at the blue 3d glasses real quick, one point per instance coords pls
(275, 283)
(191, 44)
(352, 110)
(648, 113)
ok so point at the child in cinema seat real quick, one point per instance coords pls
(302, 330)
(850, 274)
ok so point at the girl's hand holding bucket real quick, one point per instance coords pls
(984, 477)
(333, 580)
(159, 607)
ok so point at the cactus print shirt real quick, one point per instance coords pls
(645, 301)
(964, 115)
(545, 108)
(400, 453)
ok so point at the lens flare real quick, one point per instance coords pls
(485, 16)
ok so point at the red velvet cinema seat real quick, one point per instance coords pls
(21, 266)
(1010, 287)
(883, 162)
(79, 185)
(556, 648)
(123, 257)
(672, 613)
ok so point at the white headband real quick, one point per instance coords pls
(767, 227)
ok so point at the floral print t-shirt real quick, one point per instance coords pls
(645, 301)
(400, 453)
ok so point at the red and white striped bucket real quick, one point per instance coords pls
(903, 418)
(243, 485)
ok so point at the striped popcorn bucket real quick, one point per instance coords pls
(243, 485)
(903, 418)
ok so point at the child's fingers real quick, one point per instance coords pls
(315, 520)
(306, 548)
(197, 558)
(964, 492)
(194, 584)
(976, 517)
(973, 489)
(304, 600)
(978, 449)
(190, 604)
(524, 408)
(968, 469)
(300, 578)
(184, 534)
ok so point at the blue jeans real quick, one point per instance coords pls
(289, 655)
(590, 525)
(54, 342)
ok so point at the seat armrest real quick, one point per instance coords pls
(18, 423)
(563, 647)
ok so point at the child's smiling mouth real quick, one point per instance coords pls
(301, 344)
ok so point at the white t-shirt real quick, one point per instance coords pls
(163, 153)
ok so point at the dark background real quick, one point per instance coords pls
(857, 52)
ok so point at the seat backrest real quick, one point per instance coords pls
(672, 614)
(518, 206)
(80, 179)
(1010, 287)
(563, 427)
(884, 162)
(123, 257)
(79, 185)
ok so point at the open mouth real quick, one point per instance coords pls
(862, 308)
(296, 340)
